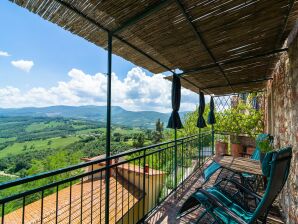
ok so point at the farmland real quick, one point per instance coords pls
(29, 145)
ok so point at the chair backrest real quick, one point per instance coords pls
(279, 171)
(256, 154)
(260, 137)
(210, 170)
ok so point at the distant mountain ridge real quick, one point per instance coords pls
(120, 116)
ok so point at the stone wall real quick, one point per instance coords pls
(281, 120)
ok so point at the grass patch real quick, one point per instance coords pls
(39, 126)
(37, 145)
(3, 140)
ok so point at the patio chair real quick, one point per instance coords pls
(249, 179)
(225, 209)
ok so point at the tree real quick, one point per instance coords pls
(117, 137)
(159, 126)
(20, 165)
(138, 140)
(148, 133)
(158, 133)
(25, 147)
(241, 118)
(190, 122)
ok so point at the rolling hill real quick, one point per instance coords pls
(120, 116)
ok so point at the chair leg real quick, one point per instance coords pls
(208, 210)
(266, 215)
(264, 218)
(188, 212)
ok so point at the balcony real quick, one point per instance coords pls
(147, 184)
(140, 180)
(212, 47)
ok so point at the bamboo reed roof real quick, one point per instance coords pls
(222, 46)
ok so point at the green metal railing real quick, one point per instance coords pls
(138, 181)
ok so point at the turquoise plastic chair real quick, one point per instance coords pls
(225, 209)
(248, 179)
(256, 154)
(260, 137)
(210, 170)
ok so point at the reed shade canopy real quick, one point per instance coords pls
(175, 121)
(201, 121)
(220, 46)
(211, 116)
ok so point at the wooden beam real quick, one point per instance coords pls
(239, 83)
(232, 61)
(157, 6)
(199, 35)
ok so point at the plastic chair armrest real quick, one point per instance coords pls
(214, 202)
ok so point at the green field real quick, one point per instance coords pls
(43, 125)
(32, 145)
(3, 140)
(25, 140)
(37, 145)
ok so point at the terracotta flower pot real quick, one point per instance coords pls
(221, 148)
(250, 150)
(236, 150)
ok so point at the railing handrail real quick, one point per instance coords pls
(159, 157)
(84, 164)
(230, 133)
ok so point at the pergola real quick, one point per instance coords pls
(217, 47)
(220, 47)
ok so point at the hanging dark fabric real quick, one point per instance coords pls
(255, 103)
(211, 116)
(201, 121)
(174, 121)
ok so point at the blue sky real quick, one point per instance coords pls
(53, 50)
(41, 61)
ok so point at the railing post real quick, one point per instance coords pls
(108, 130)
(212, 138)
(199, 146)
(144, 186)
(175, 160)
(182, 161)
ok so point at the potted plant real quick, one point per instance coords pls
(236, 147)
(230, 121)
(250, 150)
(265, 146)
(221, 146)
(240, 118)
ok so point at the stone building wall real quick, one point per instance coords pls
(281, 120)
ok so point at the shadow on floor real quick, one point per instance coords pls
(166, 212)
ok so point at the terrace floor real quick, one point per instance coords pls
(166, 212)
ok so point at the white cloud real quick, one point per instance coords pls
(4, 54)
(23, 65)
(137, 91)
